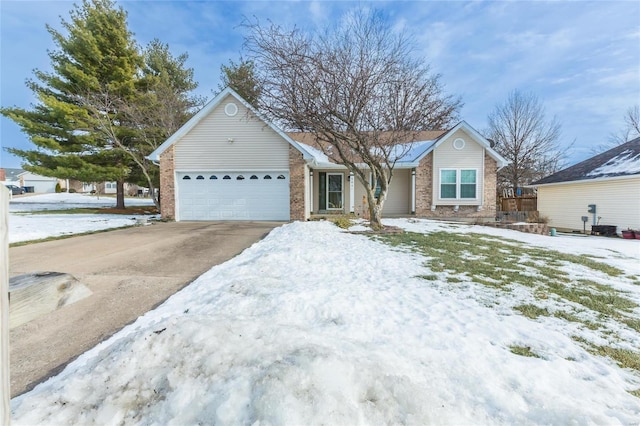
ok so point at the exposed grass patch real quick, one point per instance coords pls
(625, 358)
(431, 277)
(635, 393)
(343, 222)
(523, 351)
(506, 265)
(532, 311)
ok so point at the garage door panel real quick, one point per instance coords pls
(229, 198)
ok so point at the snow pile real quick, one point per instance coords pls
(627, 163)
(313, 325)
(28, 227)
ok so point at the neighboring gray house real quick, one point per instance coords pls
(610, 181)
(227, 163)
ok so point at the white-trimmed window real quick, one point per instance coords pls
(458, 184)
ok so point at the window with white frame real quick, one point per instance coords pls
(458, 184)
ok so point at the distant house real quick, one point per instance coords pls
(610, 181)
(36, 183)
(10, 176)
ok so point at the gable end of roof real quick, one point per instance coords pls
(205, 111)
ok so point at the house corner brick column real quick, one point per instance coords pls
(167, 185)
(424, 186)
(296, 185)
(490, 186)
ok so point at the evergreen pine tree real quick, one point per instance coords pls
(95, 56)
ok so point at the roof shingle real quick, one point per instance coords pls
(623, 160)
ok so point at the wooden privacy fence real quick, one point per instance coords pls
(519, 204)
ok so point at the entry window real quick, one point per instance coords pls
(253, 177)
(334, 191)
(200, 177)
(186, 177)
(267, 177)
(458, 184)
(240, 177)
(213, 177)
(281, 177)
(226, 177)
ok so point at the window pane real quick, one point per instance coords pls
(468, 190)
(448, 190)
(335, 183)
(448, 176)
(335, 200)
(468, 176)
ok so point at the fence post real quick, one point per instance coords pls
(5, 411)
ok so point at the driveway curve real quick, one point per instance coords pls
(130, 271)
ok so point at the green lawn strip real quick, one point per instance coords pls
(65, 236)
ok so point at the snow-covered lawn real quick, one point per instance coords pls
(24, 226)
(313, 325)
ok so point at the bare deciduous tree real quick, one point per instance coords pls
(524, 137)
(630, 131)
(356, 88)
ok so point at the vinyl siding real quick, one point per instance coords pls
(398, 198)
(255, 145)
(445, 156)
(617, 203)
(399, 195)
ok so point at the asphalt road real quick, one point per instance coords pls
(130, 271)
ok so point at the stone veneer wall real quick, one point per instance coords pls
(296, 185)
(167, 185)
(424, 193)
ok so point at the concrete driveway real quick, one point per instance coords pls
(130, 271)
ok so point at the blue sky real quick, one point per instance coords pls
(582, 59)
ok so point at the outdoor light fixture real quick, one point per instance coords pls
(230, 140)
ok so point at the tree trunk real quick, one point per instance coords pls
(120, 194)
(375, 209)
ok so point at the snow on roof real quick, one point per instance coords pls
(409, 153)
(627, 162)
(317, 155)
(620, 161)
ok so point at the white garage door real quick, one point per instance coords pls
(233, 196)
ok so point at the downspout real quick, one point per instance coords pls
(413, 191)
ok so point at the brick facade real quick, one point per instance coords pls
(424, 186)
(297, 185)
(489, 208)
(167, 185)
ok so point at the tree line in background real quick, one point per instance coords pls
(358, 87)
